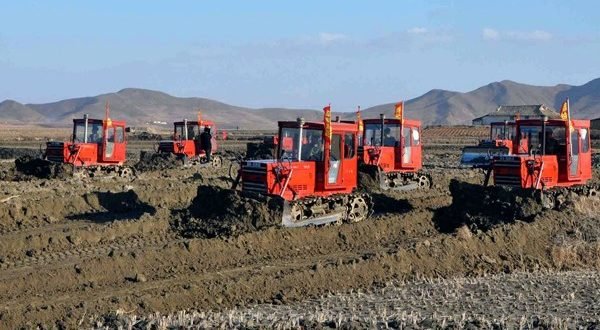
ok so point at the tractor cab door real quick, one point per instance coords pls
(334, 165)
(411, 147)
(114, 149)
(574, 155)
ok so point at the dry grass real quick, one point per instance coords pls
(524, 300)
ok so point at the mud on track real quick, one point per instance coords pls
(69, 257)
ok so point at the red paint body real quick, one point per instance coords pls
(503, 135)
(403, 156)
(105, 149)
(190, 146)
(292, 177)
(567, 161)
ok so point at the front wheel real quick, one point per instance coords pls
(217, 161)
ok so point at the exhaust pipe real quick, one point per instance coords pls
(300, 122)
(544, 120)
(185, 129)
(382, 117)
(85, 128)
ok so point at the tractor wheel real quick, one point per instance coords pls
(424, 182)
(126, 172)
(217, 161)
(234, 168)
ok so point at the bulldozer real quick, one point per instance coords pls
(186, 145)
(390, 152)
(549, 169)
(314, 176)
(97, 148)
(500, 142)
(551, 153)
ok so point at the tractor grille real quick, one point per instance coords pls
(55, 152)
(510, 167)
(166, 146)
(254, 177)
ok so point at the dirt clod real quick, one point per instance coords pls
(218, 212)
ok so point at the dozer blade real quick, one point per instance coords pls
(481, 156)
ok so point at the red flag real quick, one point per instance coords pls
(564, 110)
(199, 118)
(359, 121)
(327, 131)
(107, 120)
(399, 111)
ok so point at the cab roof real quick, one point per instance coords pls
(195, 122)
(409, 122)
(350, 126)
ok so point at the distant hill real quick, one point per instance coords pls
(140, 106)
(444, 107)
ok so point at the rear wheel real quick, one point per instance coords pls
(424, 182)
(217, 161)
(358, 209)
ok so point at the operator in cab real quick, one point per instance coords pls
(388, 139)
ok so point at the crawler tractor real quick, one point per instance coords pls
(314, 176)
(390, 152)
(552, 154)
(551, 166)
(500, 142)
(187, 146)
(97, 147)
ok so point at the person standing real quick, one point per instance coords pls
(206, 142)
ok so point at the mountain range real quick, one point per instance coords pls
(436, 107)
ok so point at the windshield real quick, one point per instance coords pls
(94, 132)
(531, 136)
(192, 131)
(311, 148)
(391, 135)
(502, 132)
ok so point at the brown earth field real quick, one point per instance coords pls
(109, 252)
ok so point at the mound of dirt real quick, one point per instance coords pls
(218, 212)
(367, 179)
(42, 169)
(153, 161)
(483, 208)
(10, 153)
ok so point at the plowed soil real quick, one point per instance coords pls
(72, 252)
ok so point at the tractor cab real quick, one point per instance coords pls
(499, 142)
(186, 139)
(548, 153)
(307, 163)
(93, 142)
(390, 145)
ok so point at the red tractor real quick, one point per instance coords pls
(500, 142)
(186, 143)
(390, 152)
(315, 176)
(97, 147)
(550, 153)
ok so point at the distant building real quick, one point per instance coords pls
(509, 112)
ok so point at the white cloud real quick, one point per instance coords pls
(535, 35)
(490, 34)
(538, 35)
(417, 30)
(328, 38)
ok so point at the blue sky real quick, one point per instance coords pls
(293, 54)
